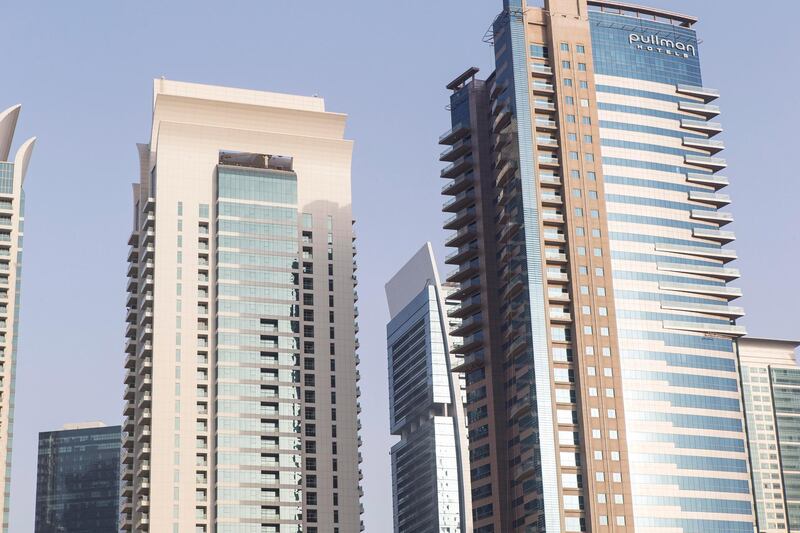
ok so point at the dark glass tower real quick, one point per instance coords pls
(77, 484)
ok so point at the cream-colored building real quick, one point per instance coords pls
(771, 390)
(241, 384)
(12, 203)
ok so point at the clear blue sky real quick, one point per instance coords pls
(83, 72)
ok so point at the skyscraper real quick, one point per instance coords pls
(242, 386)
(430, 465)
(12, 219)
(601, 373)
(77, 482)
(771, 390)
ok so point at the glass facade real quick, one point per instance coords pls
(77, 484)
(699, 449)
(430, 493)
(258, 403)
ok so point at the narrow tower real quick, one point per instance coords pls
(12, 219)
(430, 463)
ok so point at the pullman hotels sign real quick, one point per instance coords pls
(654, 43)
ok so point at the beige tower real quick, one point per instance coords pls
(12, 200)
(241, 385)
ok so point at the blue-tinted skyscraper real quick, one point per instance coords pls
(429, 464)
(77, 483)
(589, 241)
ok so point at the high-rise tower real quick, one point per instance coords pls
(601, 374)
(12, 206)
(242, 387)
(430, 463)
(771, 391)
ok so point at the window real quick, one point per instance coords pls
(580, 49)
(601, 291)
(584, 102)
(573, 156)
(581, 250)
(539, 51)
(571, 119)
(580, 232)
(587, 139)
(564, 47)
(569, 100)
(599, 476)
(598, 455)
(595, 413)
(596, 232)
(578, 212)
(567, 82)
(587, 121)
(576, 193)
(601, 498)
(566, 65)
(589, 158)
(582, 67)
(575, 174)
(584, 288)
(572, 137)
(584, 84)
(599, 272)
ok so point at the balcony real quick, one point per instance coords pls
(466, 308)
(557, 277)
(727, 274)
(462, 254)
(552, 217)
(542, 87)
(468, 325)
(713, 163)
(547, 142)
(457, 167)
(704, 93)
(726, 330)
(545, 105)
(459, 201)
(465, 271)
(469, 363)
(464, 216)
(554, 236)
(467, 344)
(545, 124)
(712, 253)
(706, 110)
(555, 257)
(720, 310)
(538, 69)
(514, 286)
(729, 293)
(548, 161)
(711, 145)
(714, 235)
(719, 217)
(559, 316)
(462, 236)
(457, 132)
(718, 182)
(712, 198)
(709, 128)
(549, 198)
(459, 184)
(549, 180)
(502, 120)
(506, 172)
(133, 239)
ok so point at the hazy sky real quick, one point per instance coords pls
(83, 71)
